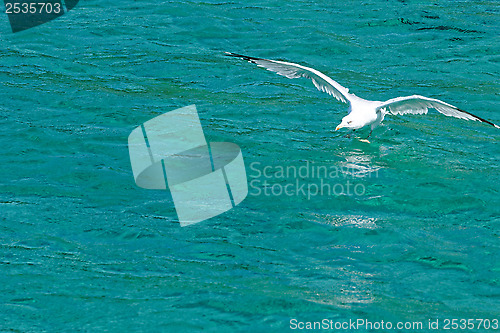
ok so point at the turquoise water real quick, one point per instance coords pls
(83, 248)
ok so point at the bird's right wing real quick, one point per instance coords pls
(293, 71)
(419, 105)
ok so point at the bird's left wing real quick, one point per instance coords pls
(420, 105)
(293, 71)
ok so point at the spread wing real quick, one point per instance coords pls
(420, 105)
(293, 71)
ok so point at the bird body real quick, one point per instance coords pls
(362, 112)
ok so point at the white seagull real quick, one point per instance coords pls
(362, 112)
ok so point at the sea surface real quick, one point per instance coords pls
(409, 234)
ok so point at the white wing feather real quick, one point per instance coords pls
(420, 105)
(293, 71)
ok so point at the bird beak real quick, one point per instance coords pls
(338, 127)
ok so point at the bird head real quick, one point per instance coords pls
(349, 122)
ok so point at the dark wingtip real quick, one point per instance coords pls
(479, 118)
(244, 57)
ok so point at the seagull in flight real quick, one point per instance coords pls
(362, 112)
